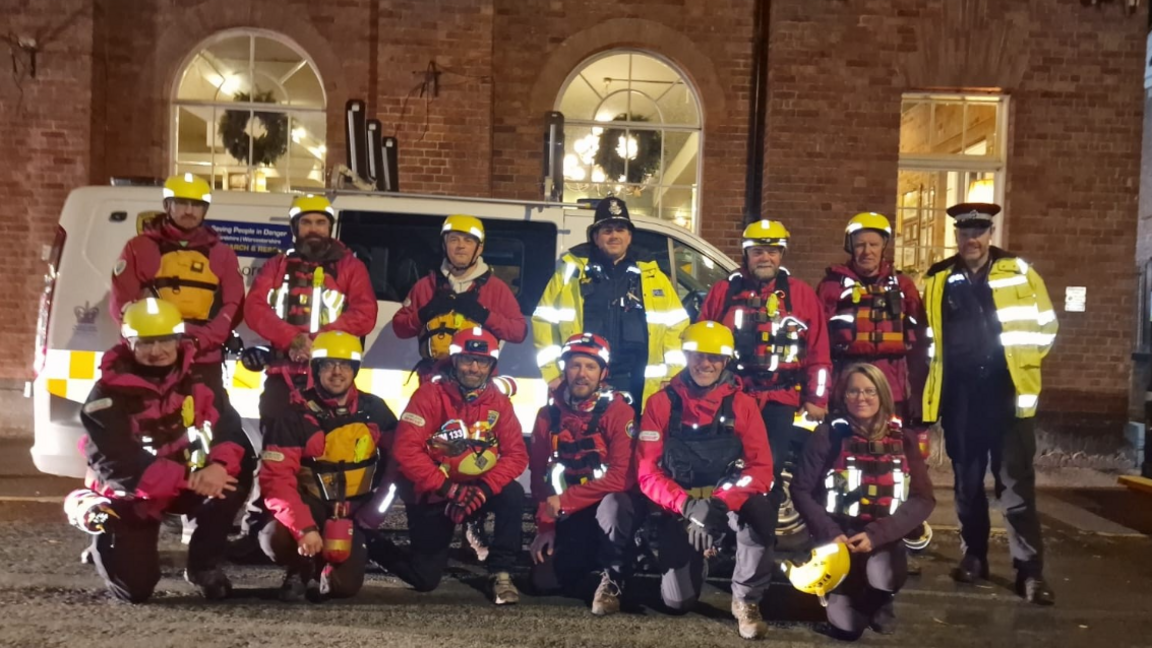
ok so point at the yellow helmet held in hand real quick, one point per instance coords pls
(337, 345)
(709, 337)
(765, 232)
(187, 187)
(151, 318)
(465, 225)
(866, 221)
(823, 572)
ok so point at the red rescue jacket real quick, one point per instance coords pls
(700, 407)
(610, 444)
(850, 321)
(136, 271)
(438, 401)
(810, 380)
(343, 274)
(136, 433)
(505, 321)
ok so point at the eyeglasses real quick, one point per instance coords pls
(868, 393)
(333, 365)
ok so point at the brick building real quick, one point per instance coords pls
(897, 106)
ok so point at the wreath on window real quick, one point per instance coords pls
(266, 148)
(647, 160)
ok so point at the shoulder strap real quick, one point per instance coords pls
(735, 287)
(676, 412)
(782, 286)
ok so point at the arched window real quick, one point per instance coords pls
(632, 128)
(248, 113)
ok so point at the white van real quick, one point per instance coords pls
(396, 235)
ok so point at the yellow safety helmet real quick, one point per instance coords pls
(765, 232)
(151, 318)
(866, 221)
(188, 187)
(823, 572)
(337, 345)
(464, 224)
(709, 337)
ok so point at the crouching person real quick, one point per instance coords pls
(582, 478)
(703, 458)
(322, 460)
(862, 481)
(156, 444)
(459, 448)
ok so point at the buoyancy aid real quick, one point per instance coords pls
(347, 469)
(869, 319)
(869, 480)
(302, 299)
(436, 336)
(771, 341)
(701, 458)
(577, 458)
(185, 279)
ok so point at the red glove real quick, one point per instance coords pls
(464, 500)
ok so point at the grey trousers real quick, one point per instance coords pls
(871, 585)
(682, 567)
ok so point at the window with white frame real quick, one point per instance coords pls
(952, 150)
(633, 129)
(249, 113)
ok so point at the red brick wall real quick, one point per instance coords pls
(1074, 76)
(44, 129)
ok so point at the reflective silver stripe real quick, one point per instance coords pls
(956, 278)
(1018, 313)
(1008, 281)
(1026, 338)
(1046, 317)
(675, 357)
(667, 318)
(656, 371)
(1020, 263)
(548, 355)
(821, 382)
(557, 478)
(1027, 401)
(569, 270)
(555, 315)
(843, 318)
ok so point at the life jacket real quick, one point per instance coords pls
(869, 480)
(302, 299)
(771, 342)
(347, 468)
(701, 459)
(577, 458)
(185, 279)
(869, 319)
(436, 336)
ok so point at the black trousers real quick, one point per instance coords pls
(344, 580)
(871, 586)
(430, 534)
(128, 559)
(784, 442)
(631, 381)
(980, 427)
(598, 538)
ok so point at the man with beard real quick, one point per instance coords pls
(601, 287)
(317, 286)
(704, 461)
(182, 260)
(781, 339)
(991, 324)
(582, 479)
(459, 447)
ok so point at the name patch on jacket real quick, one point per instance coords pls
(272, 455)
(649, 435)
(414, 419)
(97, 405)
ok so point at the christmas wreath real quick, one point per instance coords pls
(266, 148)
(647, 160)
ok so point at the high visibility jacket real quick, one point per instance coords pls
(1026, 316)
(330, 451)
(560, 315)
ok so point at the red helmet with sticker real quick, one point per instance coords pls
(588, 344)
(464, 451)
(475, 341)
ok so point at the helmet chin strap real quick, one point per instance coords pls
(453, 266)
(469, 394)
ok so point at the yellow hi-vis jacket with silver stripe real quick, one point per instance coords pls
(560, 315)
(1026, 317)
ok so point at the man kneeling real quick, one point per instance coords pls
(322, 460)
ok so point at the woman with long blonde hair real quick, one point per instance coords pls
(863, 482)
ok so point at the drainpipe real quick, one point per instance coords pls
(758, 108)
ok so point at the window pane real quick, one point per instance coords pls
(580, 100)
(915, 127)
(307, 150)
(980, 129)
(695, 275)
(947, 128)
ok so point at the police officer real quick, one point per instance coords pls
(322, 461)
(601, 287)
(992, 324)
(781, 340)
(703, 459)
(462, 293)
(582, 479)
(460, 448)
(182, 260)
(875, 314)
(156, 444)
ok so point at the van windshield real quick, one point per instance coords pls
(400, 248)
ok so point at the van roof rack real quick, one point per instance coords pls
(135, 181)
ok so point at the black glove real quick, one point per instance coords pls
(255, 358)
(707, 521)
(234, 345)
(469, 306)
(442, 302)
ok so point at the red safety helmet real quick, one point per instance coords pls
(464, 452)
(475, 341)
(588, 344)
